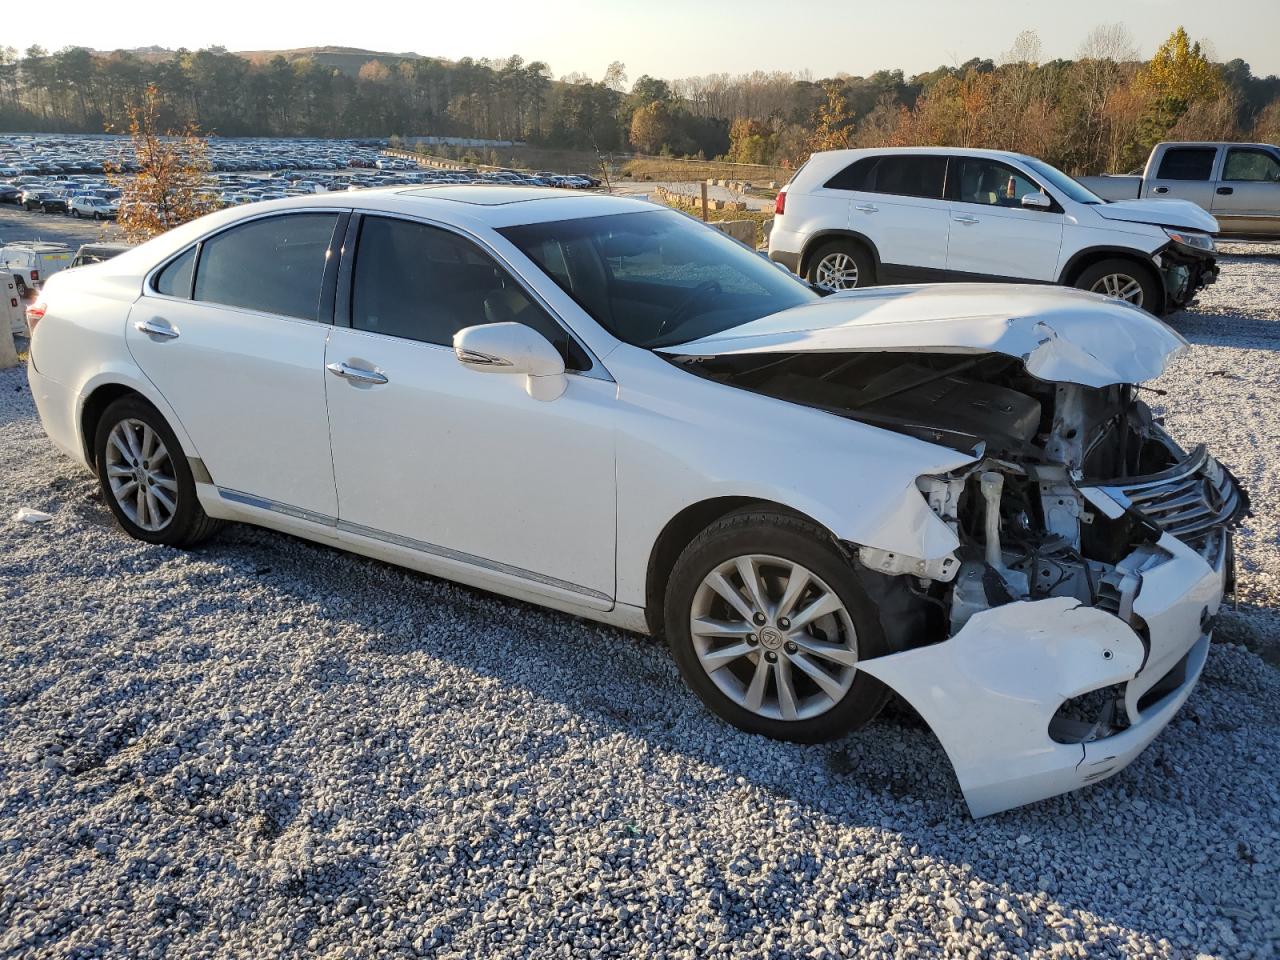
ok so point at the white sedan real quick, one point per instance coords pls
(602, 406)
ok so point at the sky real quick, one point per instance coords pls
(665, 38)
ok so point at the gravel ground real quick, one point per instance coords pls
(266, 747)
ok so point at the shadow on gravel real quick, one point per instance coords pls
(892, 777)
(1228, 330)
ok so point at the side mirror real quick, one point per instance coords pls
(1036, 201)
(513, 348)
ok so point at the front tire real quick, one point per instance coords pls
(767, 621)
(145, 478)
(1125, 280)
(841, 265)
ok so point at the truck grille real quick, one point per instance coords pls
(1189, 500)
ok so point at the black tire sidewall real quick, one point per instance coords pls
(189, 514)
(1152, 292)
(792, 539)
(866, 266)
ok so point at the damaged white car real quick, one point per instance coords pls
(955, 493)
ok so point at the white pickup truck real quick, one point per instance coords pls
(1239, 183)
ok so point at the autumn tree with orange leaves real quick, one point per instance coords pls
(171, 184)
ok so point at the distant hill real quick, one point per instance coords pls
(347, 59)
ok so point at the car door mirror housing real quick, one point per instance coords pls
(1036, 201)
(513, 348)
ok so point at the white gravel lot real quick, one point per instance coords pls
(268, 748)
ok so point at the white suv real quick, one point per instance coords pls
(852, 218)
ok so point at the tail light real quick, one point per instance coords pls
(780, 205)
(35, 313)
(35, 276)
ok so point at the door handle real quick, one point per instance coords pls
(1162, 190)
(356, 374)
(1226, 191)
(967, 220)
(867, 207)
(156, 328)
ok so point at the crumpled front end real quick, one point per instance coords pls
(1078, 612)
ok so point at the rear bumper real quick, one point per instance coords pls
(991, 692)
(58, 410)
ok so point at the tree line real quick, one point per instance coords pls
(1101, 110)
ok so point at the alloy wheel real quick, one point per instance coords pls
(837, 271)
(141, 475)
(774, 637)
(1121, 286)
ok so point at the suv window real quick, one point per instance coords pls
(275, 265)
(1187, 163)
(175, 279)
(1244, 163)
(989, 182)
(423, 283)
(904, 175)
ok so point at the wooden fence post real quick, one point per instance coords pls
(703, 185)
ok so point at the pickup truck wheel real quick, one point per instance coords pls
(767, 621)
(841, 265)
(1123, 279)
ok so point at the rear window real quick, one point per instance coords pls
(1187, 163)
(175, 279)
(903, 175)
(274, 265)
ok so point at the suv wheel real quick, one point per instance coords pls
(145, 478)
(1125, 280)
(767, 621)
(841, 266)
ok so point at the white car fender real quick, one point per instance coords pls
(856, 480)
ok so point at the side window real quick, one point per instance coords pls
(854, 176)
(906, 175)
(175, 279)
(1187, 163)
(275, 265)
(1251, 165)
(422, 283)
(989, 182)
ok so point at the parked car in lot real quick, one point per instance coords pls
(951, 491)
(851, 218)
(94, 207)
(44, 200)
(98, 252)
(36, 260)
(1239, 183)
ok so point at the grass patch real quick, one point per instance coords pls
(694, 209)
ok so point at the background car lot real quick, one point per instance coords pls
(270, 742)
(242, 170)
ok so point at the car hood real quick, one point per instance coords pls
(1060, 334)
(1161, 213)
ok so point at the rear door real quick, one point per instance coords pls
(232, 333)
(1185, 173)
(1246, 198)
(896, 201)
(992, 234)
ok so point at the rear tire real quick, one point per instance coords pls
(748, 662)
(145, 478)
(1125, 280)
(841, 265)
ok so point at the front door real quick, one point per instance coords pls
(239, 355)
(992, 234)
(437, 458)
(1246, 197)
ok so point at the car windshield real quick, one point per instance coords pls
(1069, 185)
(658, 278)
